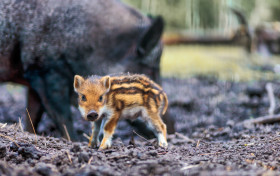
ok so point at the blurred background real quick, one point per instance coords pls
(199, 37)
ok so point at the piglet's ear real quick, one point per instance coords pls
(106, 82)
(78, 81)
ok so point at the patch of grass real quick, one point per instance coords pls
(225, 62)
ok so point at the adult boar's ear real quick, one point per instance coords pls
(78, 81)
(151, 36)
(106, 82)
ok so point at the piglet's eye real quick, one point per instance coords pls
(84, 98)
(100, 98)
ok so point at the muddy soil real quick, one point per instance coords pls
(210, 138)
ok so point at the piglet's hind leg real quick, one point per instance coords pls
(160, 129)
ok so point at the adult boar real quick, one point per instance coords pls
(44, 43)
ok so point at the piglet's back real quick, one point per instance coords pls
(136, 90)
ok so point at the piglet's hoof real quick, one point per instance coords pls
(163, 145)
(93, 144)
(102, 147)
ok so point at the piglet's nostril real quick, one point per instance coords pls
(92, 115)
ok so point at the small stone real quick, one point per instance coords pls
(83, 157)
(29, 151)
(76, 148)
(153, 153)
(13, 147)
(43, 169)
(3, 151)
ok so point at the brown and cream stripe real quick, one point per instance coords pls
(135, 90)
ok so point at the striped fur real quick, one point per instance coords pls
(123, 96)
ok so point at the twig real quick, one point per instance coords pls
(32, 126)
(189, 167)
(141, 136)
(162, 153)
(69, 157)
(10, 139)
(20, 124)
(132, 141)
(197, 144)
(91, 158)
(249, 144)
(271, 97)
(263, 120)
(86, 136)
(66, 131)
(4, 125)
(118, 157)
(185, 138)
(82, 166)
(210, 153)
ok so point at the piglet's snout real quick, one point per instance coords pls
(92, 115)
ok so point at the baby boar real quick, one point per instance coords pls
(105, 100)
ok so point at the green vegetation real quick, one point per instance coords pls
(225, 62)
(211, 18)
(201, 16)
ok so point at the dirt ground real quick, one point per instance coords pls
(210, 140)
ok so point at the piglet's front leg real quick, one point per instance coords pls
(108, 131)
(94, 138)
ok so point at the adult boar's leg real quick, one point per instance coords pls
(54, 91)
(35, 110)
(58, 102)
(169, 121)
